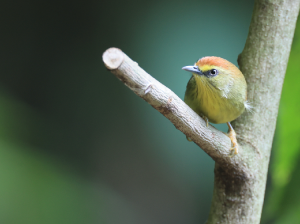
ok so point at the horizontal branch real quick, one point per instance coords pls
(214, 142)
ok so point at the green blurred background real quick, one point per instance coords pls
(77, 146)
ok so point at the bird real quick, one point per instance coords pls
(217, 91)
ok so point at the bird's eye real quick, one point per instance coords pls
(214, 72)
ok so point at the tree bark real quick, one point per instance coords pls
(240, 180)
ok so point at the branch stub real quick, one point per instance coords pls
(113, 58)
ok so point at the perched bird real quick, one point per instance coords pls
(217, 91)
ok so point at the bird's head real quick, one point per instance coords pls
(215, 71)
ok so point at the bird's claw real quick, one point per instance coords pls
(232, 136)
(235, 149)
(189, 139)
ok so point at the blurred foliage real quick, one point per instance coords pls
(283, 201)
(35, 189)
(76, 146)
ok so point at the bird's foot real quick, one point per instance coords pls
(206, 120)
(232, 136)
(188, 138)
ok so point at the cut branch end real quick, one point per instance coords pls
(113, 58)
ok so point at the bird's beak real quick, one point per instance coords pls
(193, 69)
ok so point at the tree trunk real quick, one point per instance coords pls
(263, 63)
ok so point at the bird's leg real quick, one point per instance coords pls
(188, 138)
(232, 136)
(206, 120)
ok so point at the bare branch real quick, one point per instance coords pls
(215, 143)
